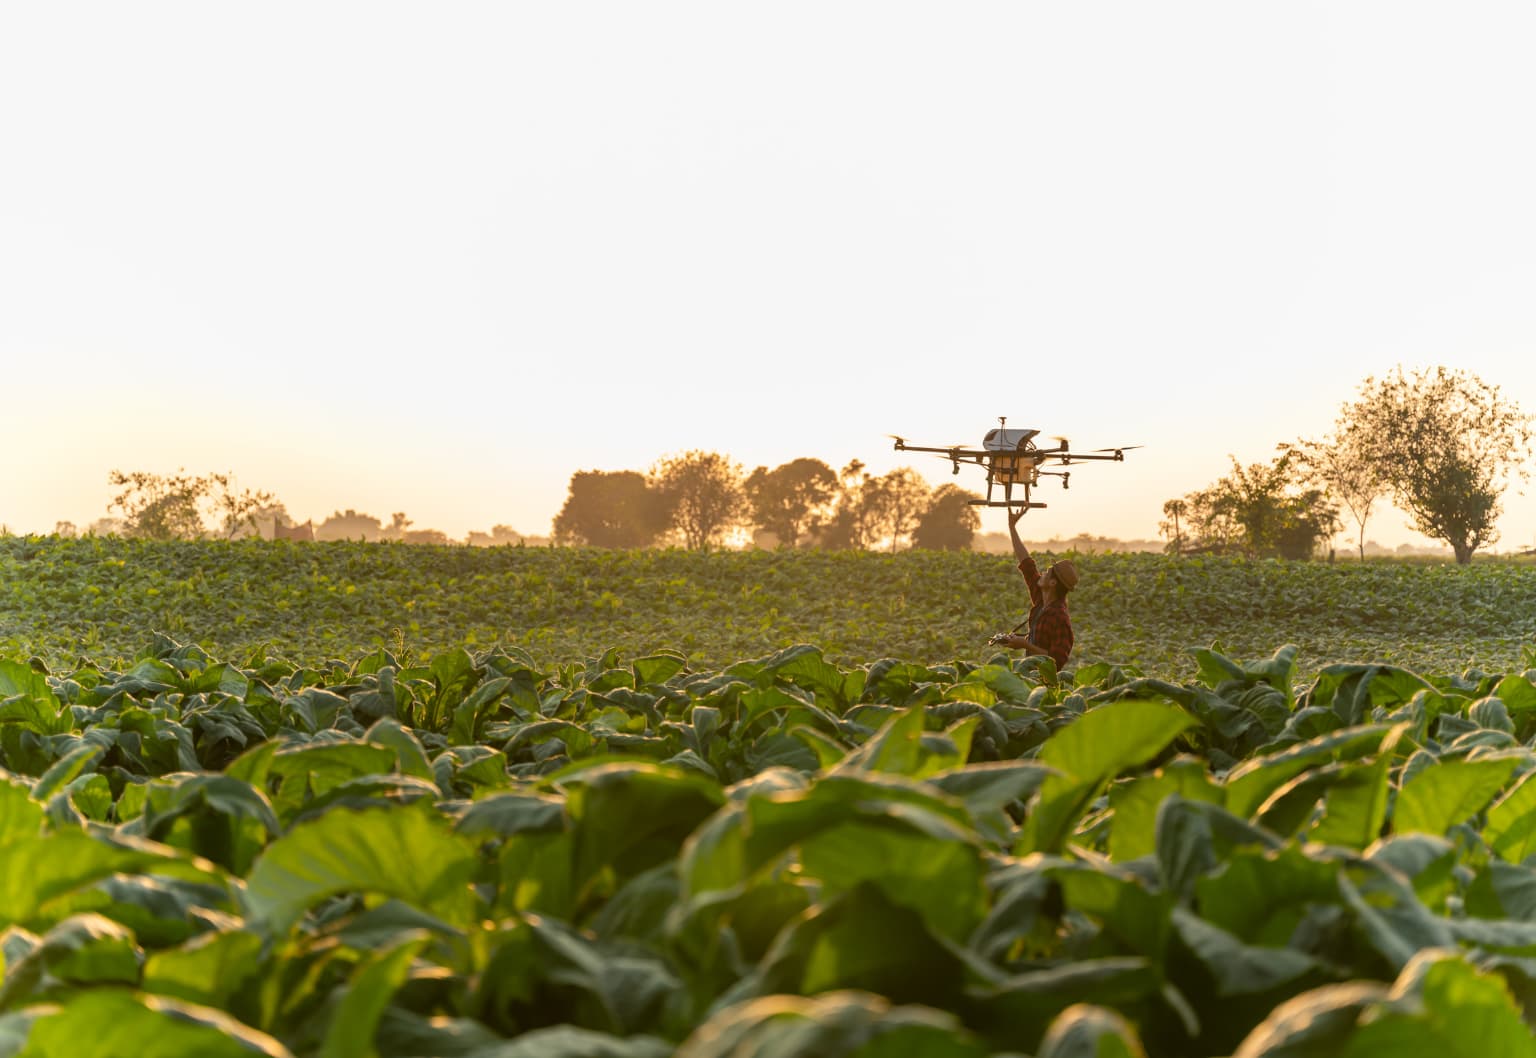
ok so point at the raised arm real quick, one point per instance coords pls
(1026, 562)
(1020, 552)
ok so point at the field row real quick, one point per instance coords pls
(101, 598)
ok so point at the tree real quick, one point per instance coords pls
(1341, 464)
(1256, 510)
(171, 506)
(349, 525)
(235, 510)
(702, 495)
(791, 501)
(852, 523)
(896, 502)
(158, 506)
(1444, 441)
(1174, 510)
(949, 522)
(610, 509)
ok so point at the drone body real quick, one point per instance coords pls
(1012, 461)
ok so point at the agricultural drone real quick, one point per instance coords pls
(1012, 459)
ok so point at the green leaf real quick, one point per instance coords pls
(1441, 1007)
(20, 815)
(1355, 807)
(940, 878)
(1020, 1010)
(26, 697)
(1135, 804)
(862, 940)
(1087, 1031)
(406, 852)
(82, 950)
(1446, 793)
(1251, 783)
(207, 970)
(1259, 896)
(1239, 968)
(634, 816)
(38, 868)
(373, 985)
(1503, 891)
(1088, 753)
(1315, 1024)
(1511, 828)
(841, 1024)
(64, 771)
(110, 1024)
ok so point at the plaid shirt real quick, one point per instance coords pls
(1050, 627)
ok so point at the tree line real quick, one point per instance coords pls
(1440, 444)
(703, 499)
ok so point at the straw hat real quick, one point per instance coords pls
(1066, 573)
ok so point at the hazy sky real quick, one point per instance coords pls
(438, 257)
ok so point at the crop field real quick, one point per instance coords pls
(355, 800)
(105, 598)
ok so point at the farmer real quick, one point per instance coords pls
(1050, 626)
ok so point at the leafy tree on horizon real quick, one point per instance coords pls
(701, 495)
(896, 503)
(1443, 441)
(1257, 511)
(1341, 464)
(792, 501)
(172, 506)
(949, 522)
(617, 509)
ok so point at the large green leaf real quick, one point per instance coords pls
(633, 816)
(373, 985)
(110, 1024)
(82, 951)
(1355, 807)
(839, 1024)
(1087, 1031)
(1259, 896)
(1135, 803)
(1511, 828)
(38, 868)
(1091, 751)
(26, 698)
(20, 815)
(207, 970)
(1447, 792)
(1315, 1024)
(939, 877)
(1441, 1007)
(861, 940)
(407, 852)
(1251, 783)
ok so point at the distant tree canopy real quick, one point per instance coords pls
(701, 493)
(1443, 443)
(181, 506)
(610, 509)
(793, 501)
(949, 522)
(700, 498)
(1258, 510)
(1342, 466)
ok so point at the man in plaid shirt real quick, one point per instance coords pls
(1050, 626)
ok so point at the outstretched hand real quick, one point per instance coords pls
(1015, 515)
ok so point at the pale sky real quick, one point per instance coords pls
(438, 257)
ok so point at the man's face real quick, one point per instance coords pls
(1049, 578)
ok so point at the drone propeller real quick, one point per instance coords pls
(1120, 448)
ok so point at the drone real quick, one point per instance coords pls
(1013, 460)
